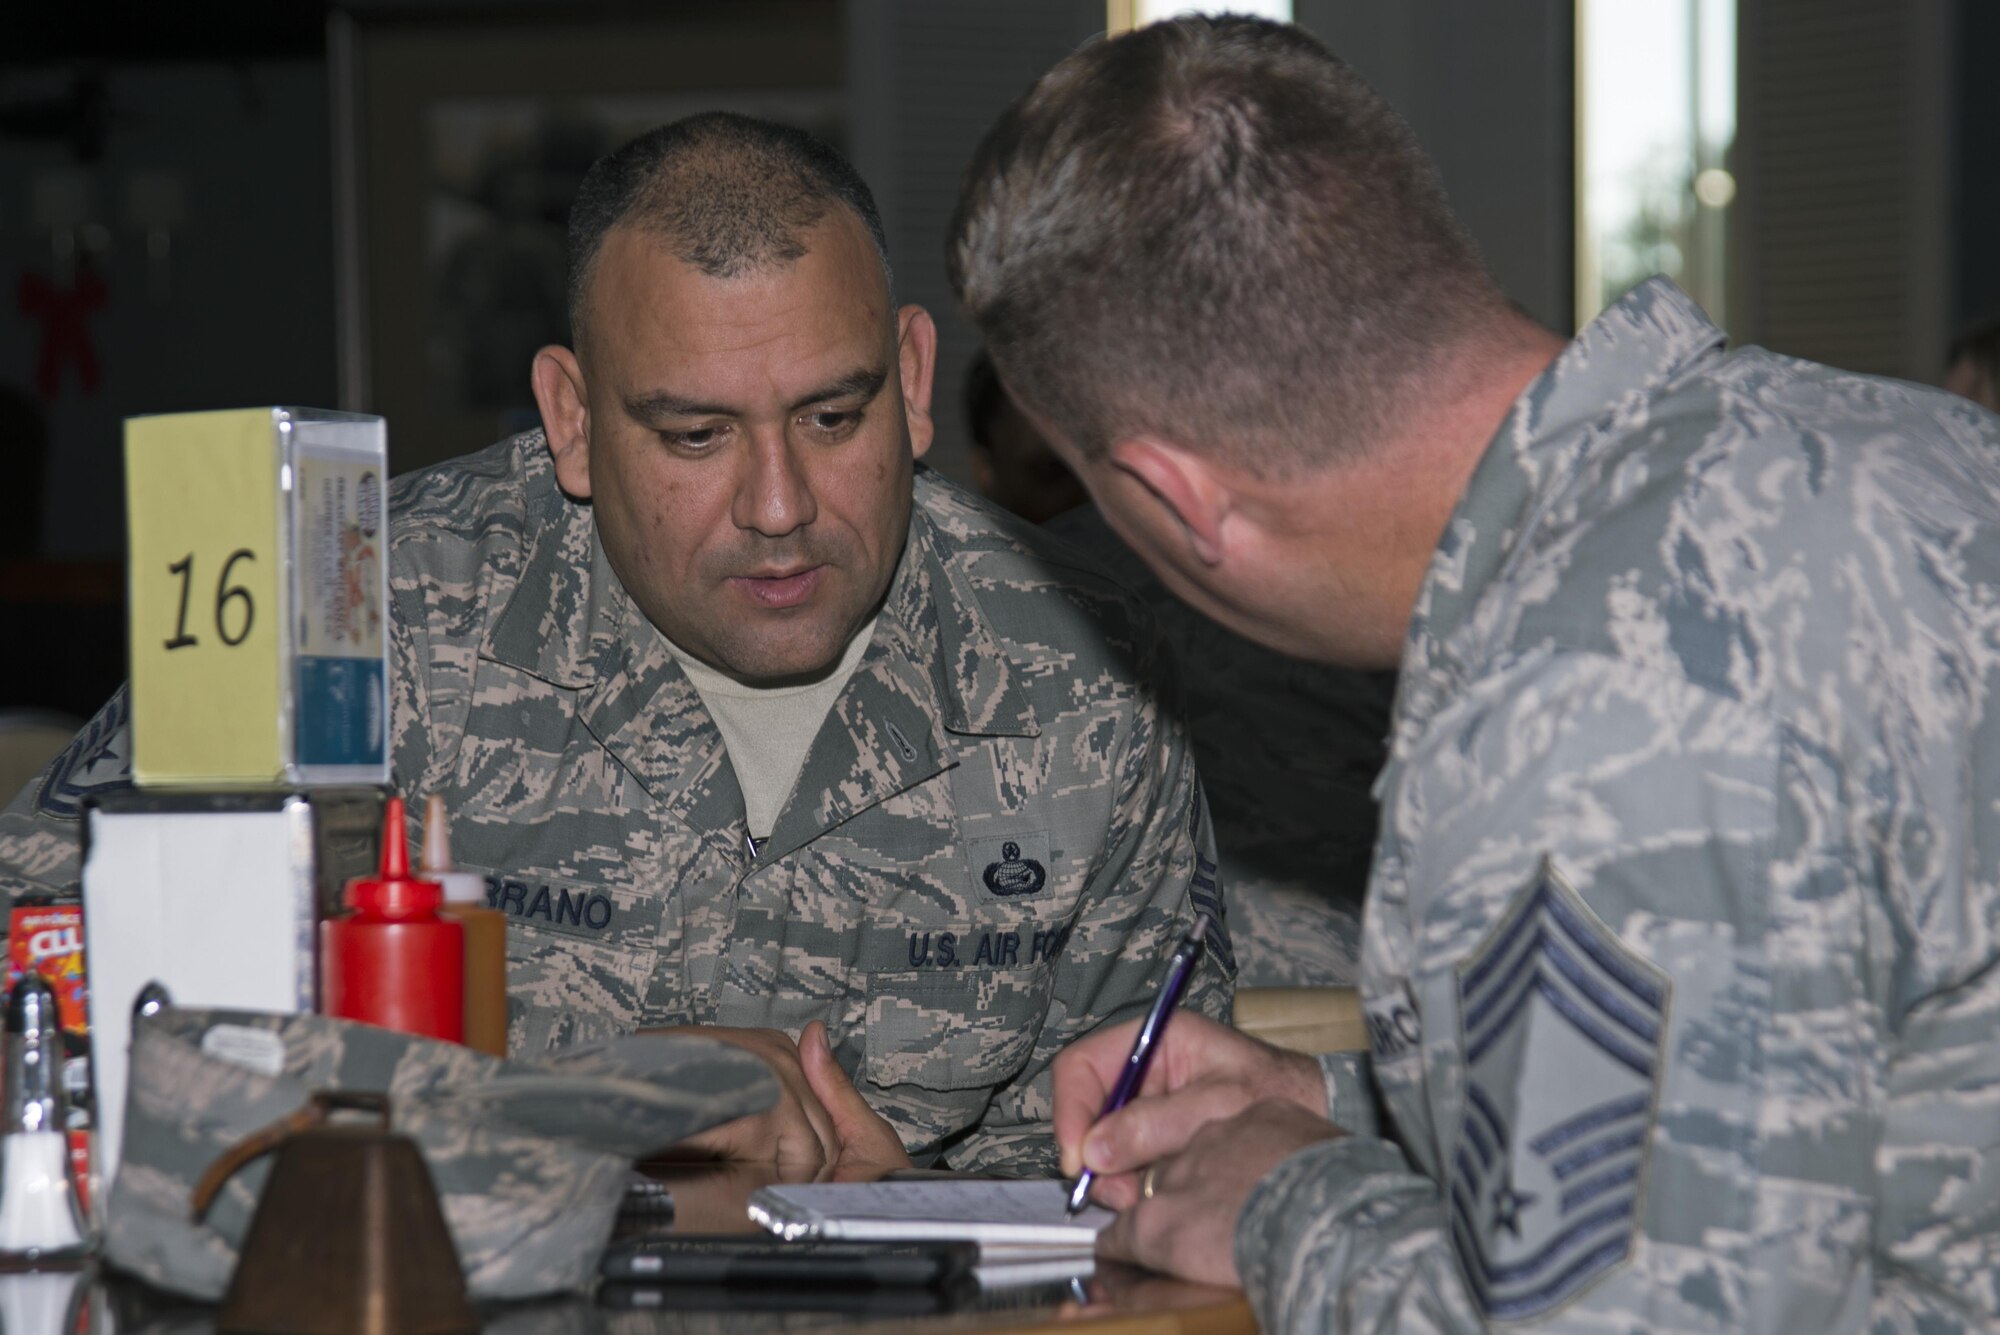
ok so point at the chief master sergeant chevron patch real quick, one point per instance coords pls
(1557, 1016)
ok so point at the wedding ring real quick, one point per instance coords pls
(1146, 1182)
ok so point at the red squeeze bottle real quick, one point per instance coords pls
(395, 961)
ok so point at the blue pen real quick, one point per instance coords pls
(1179, 969)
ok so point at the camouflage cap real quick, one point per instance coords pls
(530, 1158)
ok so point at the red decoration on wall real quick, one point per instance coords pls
(64, 313)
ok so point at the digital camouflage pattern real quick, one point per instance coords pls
(1680, 957)
(530, 1159)
(1288, 752)
(995, 841)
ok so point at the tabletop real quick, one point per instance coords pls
(1107, 1300)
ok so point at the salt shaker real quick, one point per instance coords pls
(39, 1218)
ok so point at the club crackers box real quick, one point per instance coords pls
(259, 598)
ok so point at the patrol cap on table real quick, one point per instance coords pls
(529, 1158)
(631, 1097)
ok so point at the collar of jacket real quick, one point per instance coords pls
(1584, 399)
(935, 665)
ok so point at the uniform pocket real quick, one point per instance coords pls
(953, 1030)
(564, 989)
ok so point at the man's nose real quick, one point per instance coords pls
(774, 495)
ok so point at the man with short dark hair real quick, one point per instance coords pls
(1681, 959)
(753, 724)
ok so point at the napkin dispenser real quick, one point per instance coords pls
(217, 898)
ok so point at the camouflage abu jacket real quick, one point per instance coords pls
(992, 844)
(996, 839)
(1680, 957)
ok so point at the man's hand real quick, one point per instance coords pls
(1202, 1071)
(868, 1143)
(1187, 1227)
(820, 1120)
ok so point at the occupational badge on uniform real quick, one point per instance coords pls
(1013, 866)
(1564, 1031)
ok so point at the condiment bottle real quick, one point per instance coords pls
(39, 1217)
(485, 934)
(394, 961)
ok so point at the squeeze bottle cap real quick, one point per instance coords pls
(395, 893)
(460, 887)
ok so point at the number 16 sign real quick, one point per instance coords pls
(258, 598)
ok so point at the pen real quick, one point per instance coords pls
(1179, 969)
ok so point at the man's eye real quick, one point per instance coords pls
(834, 423)
(702, 439)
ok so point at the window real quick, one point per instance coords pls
(1655, 122)
(1124, 15)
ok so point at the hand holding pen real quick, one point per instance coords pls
(1180, 968)
(1202, 1073)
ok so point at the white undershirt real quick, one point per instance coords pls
(768, 730)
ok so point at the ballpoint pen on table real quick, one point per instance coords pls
(1180, 968)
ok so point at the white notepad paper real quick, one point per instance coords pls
(1012, 1214)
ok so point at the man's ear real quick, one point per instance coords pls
(916, 364)
(1190, 488)
(560, 394)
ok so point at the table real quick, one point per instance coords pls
(1116, 1300)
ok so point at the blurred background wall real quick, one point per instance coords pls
(360, 205)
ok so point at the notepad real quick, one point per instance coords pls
(1010, 1214)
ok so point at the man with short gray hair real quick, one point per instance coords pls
(754, 725)
(1681, 960)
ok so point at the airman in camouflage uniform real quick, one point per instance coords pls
(1681, 964)
(994, 843)
(996, 834)
(1682, 955)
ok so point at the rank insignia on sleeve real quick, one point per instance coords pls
(1564, 1030)
(1205, 893)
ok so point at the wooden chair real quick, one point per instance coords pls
(1304, 1019)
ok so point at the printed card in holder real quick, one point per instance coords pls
(259, 598)
(994, 1214)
